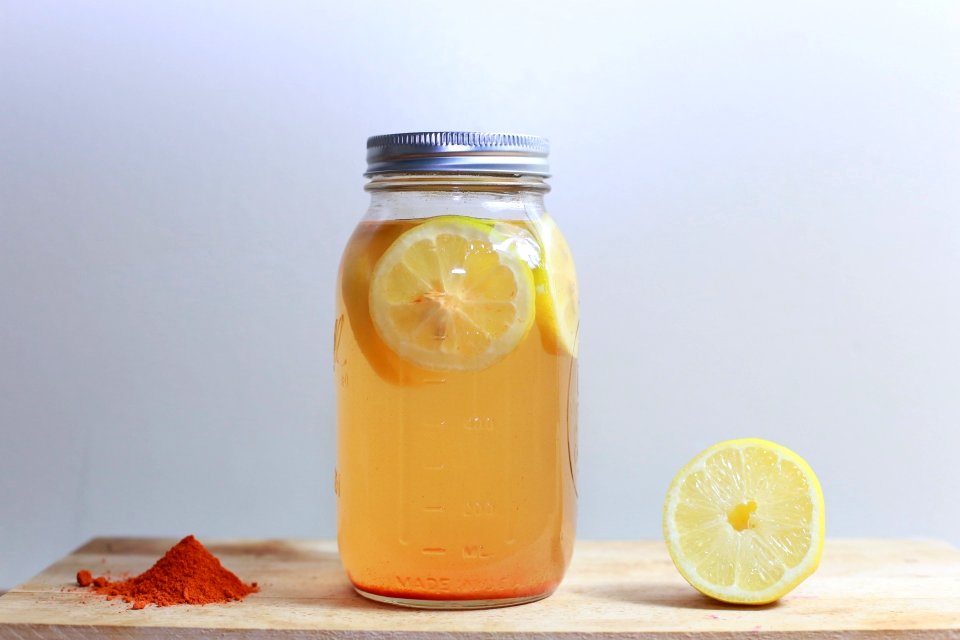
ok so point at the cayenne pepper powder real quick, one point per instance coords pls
(186, 574)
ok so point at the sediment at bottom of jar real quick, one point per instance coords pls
(483, 603)
(444, 593)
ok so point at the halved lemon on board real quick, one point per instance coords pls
(744, 521)
(444, 297)
(558, 294)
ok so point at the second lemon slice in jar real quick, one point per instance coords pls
(558, 294)
(445, 298)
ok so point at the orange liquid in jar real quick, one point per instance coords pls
(451, 485)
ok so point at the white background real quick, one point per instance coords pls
(762, 197)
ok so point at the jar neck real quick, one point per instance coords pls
(404, 196)
(457, 182)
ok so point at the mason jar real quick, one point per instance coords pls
(455, 352)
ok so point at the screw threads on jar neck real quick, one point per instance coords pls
(455, 182)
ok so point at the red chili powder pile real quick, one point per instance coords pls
(186, 574)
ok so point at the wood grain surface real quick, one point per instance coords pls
(863, 589)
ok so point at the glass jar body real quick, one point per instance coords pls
(455, 484)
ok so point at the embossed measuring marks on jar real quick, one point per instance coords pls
(456, 470)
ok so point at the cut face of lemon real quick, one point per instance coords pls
(744, 521)
(558, 295)
(445, 298)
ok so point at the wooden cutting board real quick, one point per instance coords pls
(863, 589)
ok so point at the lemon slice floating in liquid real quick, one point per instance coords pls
(744, 521)
(558, 295)
(445, 298)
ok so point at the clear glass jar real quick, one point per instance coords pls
(456, 367)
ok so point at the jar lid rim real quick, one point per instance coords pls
(458, 152)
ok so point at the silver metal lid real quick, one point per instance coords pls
(458, 152)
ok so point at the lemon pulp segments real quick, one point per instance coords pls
(744, 521)
(558, 294)
(445, 298)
